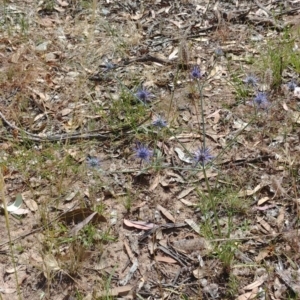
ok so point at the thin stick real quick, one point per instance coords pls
(2, 195)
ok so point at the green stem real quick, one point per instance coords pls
(202, 111)
(213, 204)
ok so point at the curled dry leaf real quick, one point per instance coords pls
(80, 225)
(7, 290)
(139, 224)
(255, 284)
(245, 193)
(215, 116)
(155, 183)
(182, 156)
(165, 259)
(31, 204)
(263, 200)
(264, 224)
(280, 218)
(50, 264)
(188, 203)
(192, 224)
(248, 296)
(277, 187)
(166, 213)
(185, 192)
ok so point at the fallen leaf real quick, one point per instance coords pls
(173, 54)
(263, 200)
(182, 156)
(215, 116)
(188, 203)
(296, 116)
(152, 246)
(15, 57)
(139, 224)
(136, 17)
(7, 291)
(71, 196)
(280, 218)
(80, 225)
(62, 3)
(49, 264)
(165, 259)
(255, 284)
(166, 213)
(265, 207)
(192, 224)
(185, 192)
(178, 24)
(276, 186)
(264, 224)
(247, 296)
(30, 203)
(245, 193)
(65, 111)
(155, 183)
(285, 107)
(21, 211)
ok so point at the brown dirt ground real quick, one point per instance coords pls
(53, 82)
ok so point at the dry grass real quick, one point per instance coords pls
(242, 212)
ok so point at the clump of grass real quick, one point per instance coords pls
(128, 110)
(278, 55)
(219, 206)
(233, 286)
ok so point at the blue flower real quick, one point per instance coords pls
(143, 95)
(203, 156)
(142, 152)
(292, 85)
(251, 80)
(93, 161)
(196, 73)
(219, 52)
(261, 100)
(159, 122)
(108, 65)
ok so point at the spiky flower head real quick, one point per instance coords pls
(203, 156)
(160, 122)
(251, 80)
(261, 100)
(196, 73)
(219, 52)
(291, 85)
(93, 161)
(144, 95)
(108, 65)
(142, 152)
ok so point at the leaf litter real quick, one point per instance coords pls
(69, 92)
